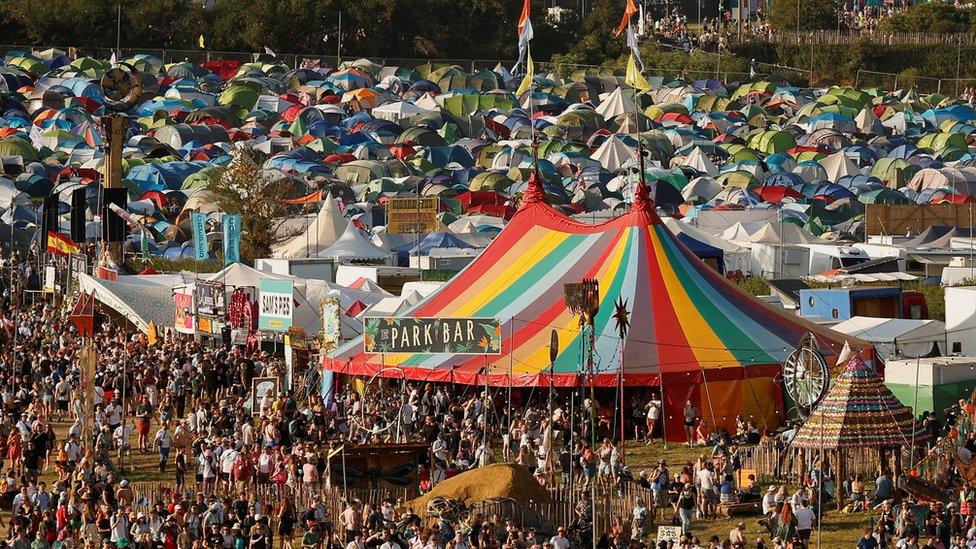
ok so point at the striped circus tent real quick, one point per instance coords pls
(692, 332)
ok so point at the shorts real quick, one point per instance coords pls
(143, 427)
(804, 535)
(63, 405)
(689, 423)
(661, 498)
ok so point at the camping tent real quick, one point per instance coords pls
(692, 332)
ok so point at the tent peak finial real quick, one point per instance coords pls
(533, 192)
(642, 198)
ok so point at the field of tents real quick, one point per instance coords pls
(364, 133)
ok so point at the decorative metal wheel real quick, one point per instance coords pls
(806, 375)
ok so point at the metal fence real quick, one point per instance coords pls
(829, 37)
(922, 84)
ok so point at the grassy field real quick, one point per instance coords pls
(839, 529)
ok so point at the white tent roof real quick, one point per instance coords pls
(322, 232)
(838, 165)
(615, 103)
(309, 294)
(352, 245)
(897, 336)
(141, 302)
(736, 233)
(867, 121)
(676, 226)
(705, 188)
(397, 111)
(613, 153)
(698, 160)
(782, 233)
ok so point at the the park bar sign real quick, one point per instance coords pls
(459, 336)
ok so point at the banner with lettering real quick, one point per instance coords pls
(458, 336)
(276, 304)
(232, 238)
(201, 251)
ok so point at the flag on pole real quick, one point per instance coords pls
(525, 33)
(59, 244)
(270, 51)
(201, 43)
(629, 13)
(634, 77)
(527, 79)
(635, 65)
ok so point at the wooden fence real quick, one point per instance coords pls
(611, 502)
(775, 464)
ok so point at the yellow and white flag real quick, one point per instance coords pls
(527, 79)
(634, 64)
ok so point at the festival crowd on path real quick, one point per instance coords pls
(237, 463)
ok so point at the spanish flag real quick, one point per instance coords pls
(59, 244)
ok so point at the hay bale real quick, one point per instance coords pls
(496, 481)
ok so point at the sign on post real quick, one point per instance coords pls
(411, 215)
(457, 336)
(276, 305)
(668, 533)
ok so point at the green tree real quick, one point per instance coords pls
(814, 15)
(243, 188)
(934, 17)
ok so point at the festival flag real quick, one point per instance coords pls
(527, 79)
(151, 334)
(629, 13)
(634, 77)
(312, 198)
(525, 33)
(634, 64)
(61, 245)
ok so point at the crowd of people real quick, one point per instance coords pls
(241, 470)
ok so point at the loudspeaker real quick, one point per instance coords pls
(49, 218)
(79, 206)
(113, 226)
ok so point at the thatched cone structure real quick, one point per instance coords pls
(858, 412)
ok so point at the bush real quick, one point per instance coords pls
(164, 265)
(814, 15)
(753, 284)
(933, 17)
(908, 78)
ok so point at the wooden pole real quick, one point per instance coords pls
(841, 476)
(114, 126)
